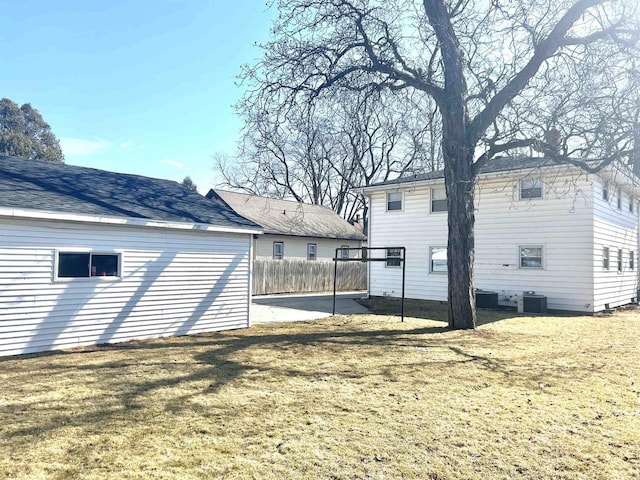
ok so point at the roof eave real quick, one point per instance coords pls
(121, 221)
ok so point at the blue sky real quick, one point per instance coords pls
(138, 86)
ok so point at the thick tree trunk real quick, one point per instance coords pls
(458, 149)
(460, 181)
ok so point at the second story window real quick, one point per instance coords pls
(438, 199)
(605, 191)
(394, 201)
(619, 198)
(530, 188)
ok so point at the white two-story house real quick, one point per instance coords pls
(540, 227)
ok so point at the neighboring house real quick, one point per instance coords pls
(540, 227)
(91, 257)
(292, 230)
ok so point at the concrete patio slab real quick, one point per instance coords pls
(300, 307)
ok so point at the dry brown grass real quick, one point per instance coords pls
(342, 398)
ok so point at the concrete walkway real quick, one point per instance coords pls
(291, 308)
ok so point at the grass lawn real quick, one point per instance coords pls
(341, 398)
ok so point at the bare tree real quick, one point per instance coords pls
(502, 75)
(319, 152)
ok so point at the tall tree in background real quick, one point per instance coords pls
(189, 184)
(319, 152)
(24, 133)
(556, 76)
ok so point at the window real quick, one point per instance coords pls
(605, 191)
(394, 201)
(344, 253)
(530, 188)
(531, 256)
(630, 204)
(438, 259)
(278, 250)
(438, 199)
(619, 260)
(394, 256)
(632, 260)
(312, 250)
(619, 198)
(88, 264)
(605, 258)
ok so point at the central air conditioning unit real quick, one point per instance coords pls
(532, 303)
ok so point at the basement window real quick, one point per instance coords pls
(88, 264)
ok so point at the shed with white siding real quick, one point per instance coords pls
(90, 257)
(540, 227)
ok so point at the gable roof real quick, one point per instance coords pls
(287, 217)
(68, 189)
(495, 165)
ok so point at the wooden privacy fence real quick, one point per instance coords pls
(294, 276)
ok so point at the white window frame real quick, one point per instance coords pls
(542, 262)
(620, 264)
(312, 256)
(401, 193)
(532, 179)
(606, 258)
(281, 257)
(344, 253)
(393, 258)
(90, 278)
(431, 270)
(431, 199)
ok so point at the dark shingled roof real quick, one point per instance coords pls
(55, 187)
(495, 165)
(287, 217)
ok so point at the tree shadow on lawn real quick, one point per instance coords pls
(215, 364)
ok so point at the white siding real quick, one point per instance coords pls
(172, 283)
(561, 222)
(616, 229)
(296, 247)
